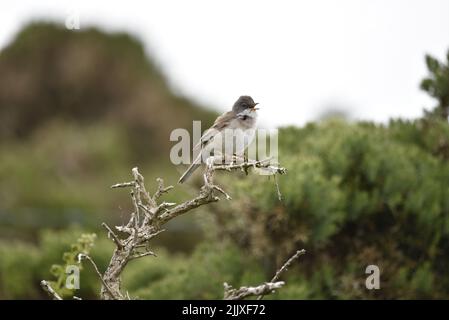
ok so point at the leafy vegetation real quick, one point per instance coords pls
(356, 194)
(71, 259)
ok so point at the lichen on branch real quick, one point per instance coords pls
(149, 215)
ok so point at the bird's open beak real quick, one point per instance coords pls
(253, 108)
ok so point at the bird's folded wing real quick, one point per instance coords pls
(222, 122)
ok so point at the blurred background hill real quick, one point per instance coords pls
(80, 109)
(50, 73)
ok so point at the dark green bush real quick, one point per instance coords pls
(355, 194)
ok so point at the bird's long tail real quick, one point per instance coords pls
(195, 164)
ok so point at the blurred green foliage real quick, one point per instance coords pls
(355, 194)
(24, 265)
(437, 85)
(61, 272)
(168, 276)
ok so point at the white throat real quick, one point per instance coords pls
(249, 113)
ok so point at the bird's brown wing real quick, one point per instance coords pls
(220, 123)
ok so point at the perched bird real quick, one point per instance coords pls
(230, 134)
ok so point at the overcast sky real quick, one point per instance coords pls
(296, 58)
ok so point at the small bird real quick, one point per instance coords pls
(231, 133)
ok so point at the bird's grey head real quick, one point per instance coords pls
(243, 103)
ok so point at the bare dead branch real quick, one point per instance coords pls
(285, 267)
(263, 289)
(113, 236)
(82, 256)
(161, 189)
(124, 229)
(244, 292)
(244, 166)
(150, 235)
(287, 264)
(140, 187)
(123, 185)
(51, 292)
(140, 255)
(278, 190)
(155, 215)
(147, 212)
(204, 198)
(140, 231)
(215, 187)
(135, 213)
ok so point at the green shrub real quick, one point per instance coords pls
(355, 194)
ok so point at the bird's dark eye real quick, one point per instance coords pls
(244, 105)
(244, 117)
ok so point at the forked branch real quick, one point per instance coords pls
(269, 287)
(148, 217)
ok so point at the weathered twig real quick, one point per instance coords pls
(263, 289)
(243, 292)
(123, 185)
(244, 166)
(284, 268)
(278, 190)
(139, 231)
(52, 293)
(228, 197)
(287, 264)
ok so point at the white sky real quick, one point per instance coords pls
(294, 57)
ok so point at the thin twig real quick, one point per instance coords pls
(148, 236)
(277, 188)
(285, 267)
(250, 164)
(148, 253)
(51, 292)
(123, 185)
(140, 186)
(155, 215)
(82, 256)
(135, 213)
(161, 189)
(164, 205)
(142, 228)
(215, 187)
(113, 236)
(145, 210)
(124, 229)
